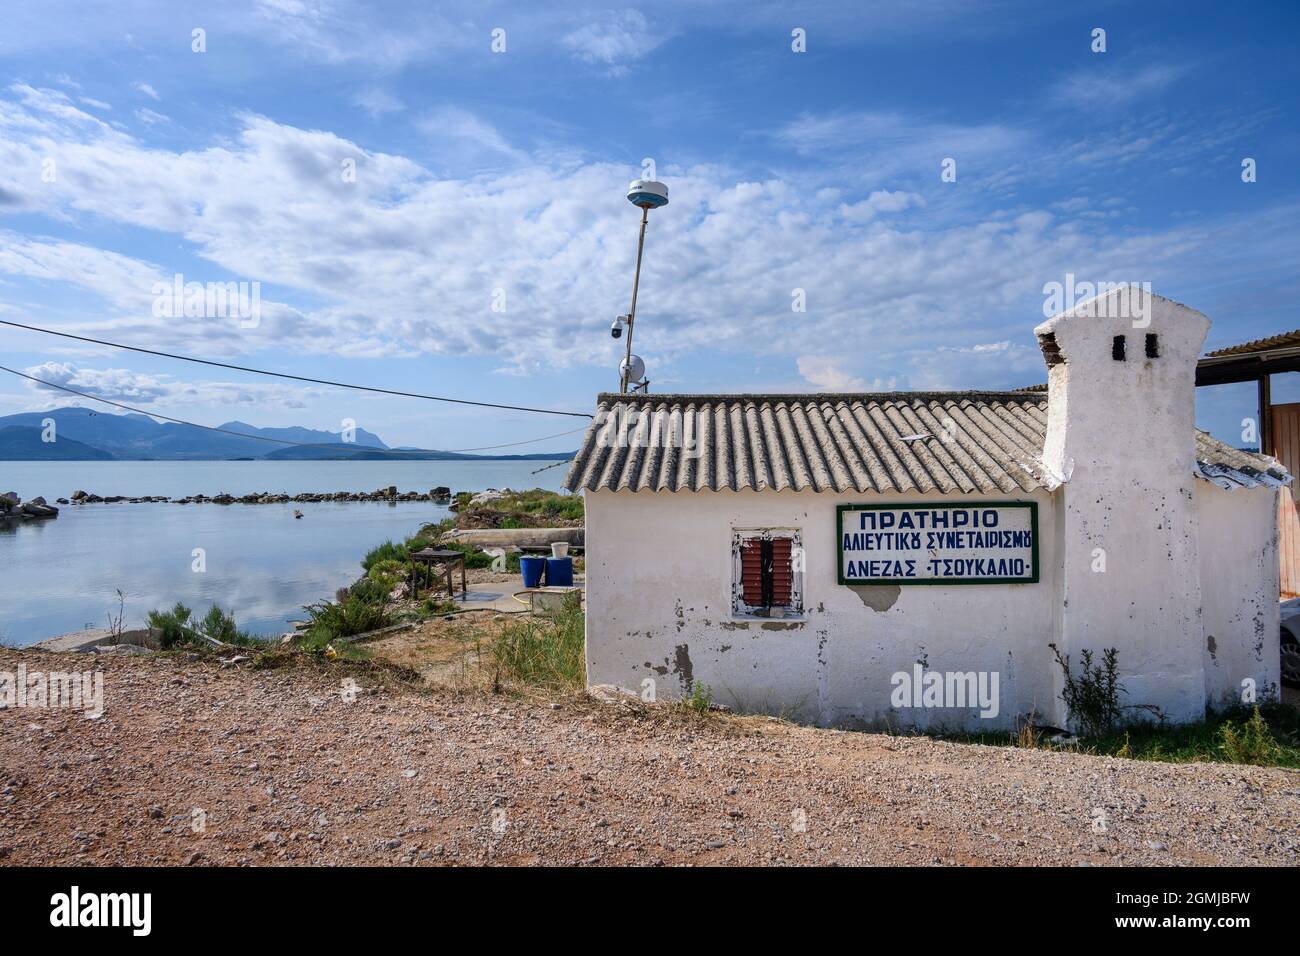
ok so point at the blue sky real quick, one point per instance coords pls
(489, 178)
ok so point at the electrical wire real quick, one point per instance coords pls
(296, 378)
(278, 441)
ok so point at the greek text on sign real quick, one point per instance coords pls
(980, 543)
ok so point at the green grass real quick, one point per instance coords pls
(546, 504)
(1237, 736)
(543, 652)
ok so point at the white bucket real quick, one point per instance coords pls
(559, 549)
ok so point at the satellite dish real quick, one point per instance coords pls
(634, 370)
(647, 194)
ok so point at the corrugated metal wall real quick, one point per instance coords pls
(1286, 448)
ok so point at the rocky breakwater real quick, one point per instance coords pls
(13, 508)
(440, 495)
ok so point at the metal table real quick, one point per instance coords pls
(448, 559)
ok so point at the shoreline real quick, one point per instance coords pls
(439, 495)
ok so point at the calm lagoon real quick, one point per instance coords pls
(263, 564)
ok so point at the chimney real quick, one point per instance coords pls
(1120, 435)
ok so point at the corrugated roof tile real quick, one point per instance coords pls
(967, 442)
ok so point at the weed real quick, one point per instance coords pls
(1252, 742)
(700, 698)
(1092, 697)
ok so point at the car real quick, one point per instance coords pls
(1291, 642)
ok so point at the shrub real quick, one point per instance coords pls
(1251, 743)
(174, 625)
(387, 572)
(367, 590)
(1092, 698)
(179, 627)
(388, 551)
(332, 620)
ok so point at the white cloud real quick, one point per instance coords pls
(1105, 86)
(827, 374)
(150, 117)
(880, 146)
(462, 136)
(377, 101)
(115, 384)
(147, 90)
(615, 38)
(881, 201)
(402, 262)
(137, 388)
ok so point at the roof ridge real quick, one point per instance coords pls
(677, 398)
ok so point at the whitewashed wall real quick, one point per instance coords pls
(658, 568)
(659, 607)
(1239, 589)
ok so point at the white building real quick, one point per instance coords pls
(818, 555)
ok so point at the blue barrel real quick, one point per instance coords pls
(559, 572)
(532, 569)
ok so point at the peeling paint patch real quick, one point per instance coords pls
(878, 597)
(734, 625)
(1211, 647)
(683, 666)
(782, 625)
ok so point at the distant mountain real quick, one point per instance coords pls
(363, 437)
(24, 444)
(90, 435)
(350, 453)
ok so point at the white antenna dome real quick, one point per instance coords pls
(633, 370)
(647, 194)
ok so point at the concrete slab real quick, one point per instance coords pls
(88, 640)
(493, 597)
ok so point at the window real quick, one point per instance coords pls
(1153, 345)
(1117, 348)
(767, 572)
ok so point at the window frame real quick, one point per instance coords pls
(739, 608)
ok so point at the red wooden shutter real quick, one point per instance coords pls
(782, 572)
(751, 571)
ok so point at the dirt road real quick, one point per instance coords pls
(288, 767)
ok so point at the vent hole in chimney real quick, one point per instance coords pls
(1117, 348)
(1153, 345)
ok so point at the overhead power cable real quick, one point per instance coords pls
(296, 378)
(278, 441)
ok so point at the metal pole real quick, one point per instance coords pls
(631, 316)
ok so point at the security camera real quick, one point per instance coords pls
(616, 329)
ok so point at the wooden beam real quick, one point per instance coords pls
(1248, 368)
(1266, 416)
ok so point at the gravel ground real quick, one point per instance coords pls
(283, 769)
